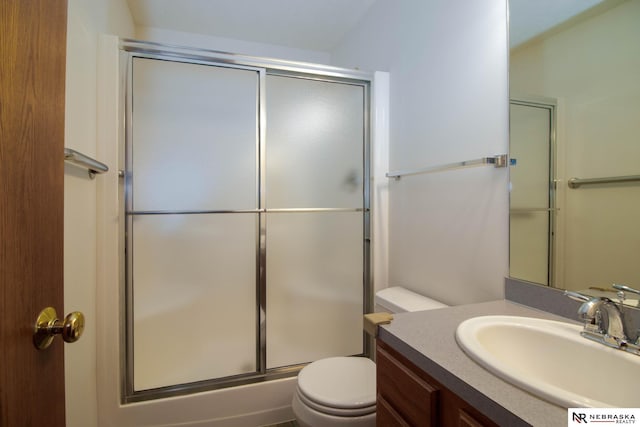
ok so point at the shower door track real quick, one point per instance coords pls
(131, 49)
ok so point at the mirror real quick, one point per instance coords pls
(575, 113)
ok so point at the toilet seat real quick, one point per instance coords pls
(338, 412)
(340, 386)
(307, 416)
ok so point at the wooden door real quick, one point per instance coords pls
(32, 77)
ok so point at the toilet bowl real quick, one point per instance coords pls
(337, 391)
(341, 391)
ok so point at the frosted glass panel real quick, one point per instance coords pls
(529, 246)
(530, 146)
(194, 136)
(314, 143)
(314, 286)
(194, 297)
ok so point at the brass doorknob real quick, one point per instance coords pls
(48, 326)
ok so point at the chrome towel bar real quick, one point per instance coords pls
(84, 161)
(529, 210)
(498, 161)
(577, 182)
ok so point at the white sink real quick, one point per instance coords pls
(552, 361)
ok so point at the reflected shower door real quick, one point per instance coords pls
(315, 220)
(192, 256)
(531, 203)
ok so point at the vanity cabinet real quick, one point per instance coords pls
(408, 396)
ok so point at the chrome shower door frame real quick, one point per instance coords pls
(551, 106)
(130, 49)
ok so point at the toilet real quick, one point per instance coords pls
(341, 391)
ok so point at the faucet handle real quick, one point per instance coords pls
(625, 288)
(577, 296)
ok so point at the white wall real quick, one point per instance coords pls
(86, 19)
(449, 102)
(593, 68)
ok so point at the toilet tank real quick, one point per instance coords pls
(397, 299)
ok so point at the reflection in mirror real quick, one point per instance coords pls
(585, 67)
(532, 200)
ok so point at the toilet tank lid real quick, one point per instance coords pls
(398, 300)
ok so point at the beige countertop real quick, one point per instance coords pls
(427, 338)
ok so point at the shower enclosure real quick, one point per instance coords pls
(532, 217)
(246, 198)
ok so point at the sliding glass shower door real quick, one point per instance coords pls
(192, 269)
(532, 204)
(314, 200)
(246, 223)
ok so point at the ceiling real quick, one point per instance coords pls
(528, 18)
(317, 24)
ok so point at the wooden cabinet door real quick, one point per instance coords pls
(403, 393)
(32, 89)
(409, 396)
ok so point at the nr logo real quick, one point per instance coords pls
(579, 418)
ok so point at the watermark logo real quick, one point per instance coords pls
(579, 417)
(602, 416)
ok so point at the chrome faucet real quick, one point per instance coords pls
(612, 324)
(604, 320)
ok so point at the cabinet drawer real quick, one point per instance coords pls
(411, 397)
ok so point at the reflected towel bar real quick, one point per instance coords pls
(529, 210)
(498, 161)
(80, 159)
(577, 182)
